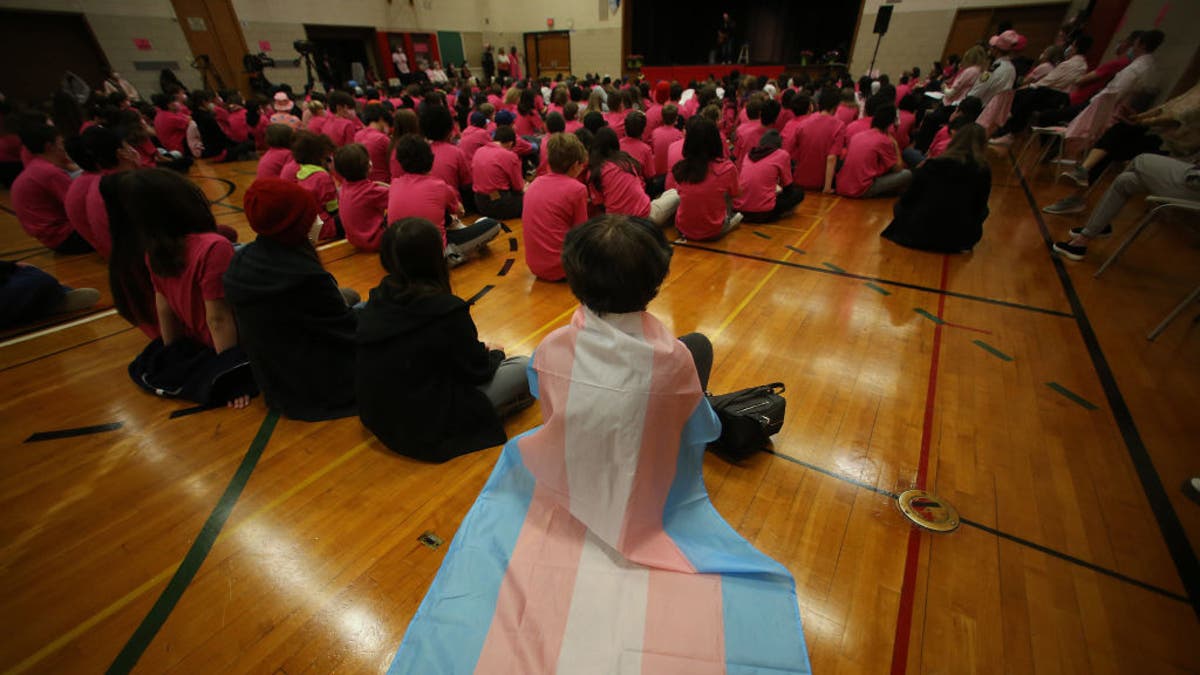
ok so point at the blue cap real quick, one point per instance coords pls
(478, 119)
(505, 117)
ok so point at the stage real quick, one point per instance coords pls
(685, 74)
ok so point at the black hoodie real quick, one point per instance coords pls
(294, 324)
(420, 363)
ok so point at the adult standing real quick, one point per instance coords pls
(488, 61)
(514, 63)
(726, 35)
(503, 66)
(400, 60)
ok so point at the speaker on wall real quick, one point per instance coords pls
(882, 19)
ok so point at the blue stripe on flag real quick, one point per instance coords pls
(469, 580)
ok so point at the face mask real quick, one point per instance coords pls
(1130, 53)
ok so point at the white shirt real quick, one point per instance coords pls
(1139, 76)
(1066, 74)
(401, 61)
(1000, 79)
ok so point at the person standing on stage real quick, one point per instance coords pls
(725, 38)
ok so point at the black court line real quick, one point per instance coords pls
(72, 433)
(878, 280)
(504, 226)
(793, 249)
(7, 210)
(184, 412)
(505, 267)
(144, 635)
(999, 533)
(1182, 553)
(512, 243)
(764, 235)
(482, 292)
(230, 187)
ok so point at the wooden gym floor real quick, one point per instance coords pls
(1012, 384)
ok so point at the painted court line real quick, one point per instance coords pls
(505, 267)
(141, 638)
(60, 327)
(512, 243)
(992, 350)
(929, 316)
(72, 433)
(877, 289)
(545, 327)
(184, 412)
(1076, 398)
(482, 292)
(325, 247)
(793, 249)
(1176, 539)
(833, 267)
(505, 227)
(764, 235)
(757, 287)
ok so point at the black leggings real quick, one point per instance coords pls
(507, 206)
(702, 355)
(1123, 142)
(784, 201)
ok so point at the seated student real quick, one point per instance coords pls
(419, 194)
(170, 124)
(426, 386)
(279, 152)
(945, 207)
(528, 123)
(660, 142)
(28, 295)
(449, 164)
(315, 115)
(872, 105)
(197, 357)
(618, 110)
(593, 121)
(98, 151)
(343, 120)
(635, 147)
(474, 136)
(847, 109)
(362, 202)
(873, 167)
(707, 184)
(765, 177)
(966, 112)
(403, 122)
(375, 137)
(496, 176)
(217, 146)
(616, 186)
(748, 132)
(39, 193)
(291, 317)
(817, 142)
(312, 154)
(801, 107)
(555, 125)
(1147, 174)
(571, 117)
(554, 203)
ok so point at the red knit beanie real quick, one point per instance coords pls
(281, 210)
(662, 92)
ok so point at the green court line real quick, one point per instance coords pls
(927, 315)
(793, 249)
(992, 350)
(833, 267)
(877, 289)
(141, 638)
(1072, 395)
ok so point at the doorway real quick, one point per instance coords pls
(343, 53)
(548, 54)
(214, 35)
(1038, 23)
(25, 33)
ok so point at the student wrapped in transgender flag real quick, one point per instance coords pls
(593, 547)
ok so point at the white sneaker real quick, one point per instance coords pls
(1006, 139)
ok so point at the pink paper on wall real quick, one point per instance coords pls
(264, 45)
(142, 44)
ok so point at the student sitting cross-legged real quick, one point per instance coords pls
(496, 176)
(765, 177)
(554, 203)
(362, 202)
(418, 194)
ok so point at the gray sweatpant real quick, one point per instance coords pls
(509, 389)
(1147, 174)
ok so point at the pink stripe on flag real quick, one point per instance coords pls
(527, 628)
(544, 452)
(685, 629)
(676, 393)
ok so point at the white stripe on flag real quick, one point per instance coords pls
(607, 622)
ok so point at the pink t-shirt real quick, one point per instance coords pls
(903, 129)
(376, 142)
(623, 193)
(940, 141)
(473, 138)
(529, 125)
(788, 134)
(316, 123)
(653, 120)
(494, 169)
(79, 197)
(450, 165)
(340, 129)
(171, 128)
(853, 129)
(239, 128)
(817, 137)
(271, 164)
(206, 257)
(702, 211)
(642, 153)
(846, 113)
(616, 120)
(290, 168)
(785, 116)
(554, 203)
(362, 204)
(97, 215)
(421, 196)
(748, 136)
(674, 155)
(758, 181)
(868, 156)
(39, 197)
(571, 126)
(660, 141)
(318, 182)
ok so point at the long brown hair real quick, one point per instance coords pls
(411, 252)
(968, 145)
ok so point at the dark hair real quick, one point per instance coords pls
(670, 113)
(414, 154)
(593, 121)
(1151, 40)
(95, 149)
(570, 111)
(37, 134)
(606, 147)
(754, 106)
(829, 99)
(279, 136)
(801, 104)
(526, 102)
(374, 112)
(436, 122)
(413, 256)
(884, 118)
(128, 276)
(310, 148)
(162, 207)
(876, 102)
(970, 107)
(616, 264)
(555, 123)
(504, 134)
(200, 97)
(340, 99)
(910, 102)
(701, 145)
(675, 91)
(770, 112)
(585, 136)
(635, 124)
(1082, 43)
(352, 162)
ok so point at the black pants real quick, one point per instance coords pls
(934, 120)
(1122, 142)
(1060, 116)
(702, 355)
(784, 201)
(73, 245)
(505, 207)
(467, 196)
(656, 186)
(1028, 101)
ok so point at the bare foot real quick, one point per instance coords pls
(239, 402)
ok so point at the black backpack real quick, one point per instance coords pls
(749, 417)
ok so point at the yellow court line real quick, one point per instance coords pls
(545, 327)
(759, 286)
(60, 327)
(119, 604)
(836, 199)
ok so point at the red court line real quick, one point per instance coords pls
(912, 557)
(970, 328)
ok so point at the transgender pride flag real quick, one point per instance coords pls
(594, 547)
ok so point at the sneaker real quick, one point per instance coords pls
(734, 221)
(1066, 250)
(77, 299)
(1066, 205)
(1078, 176)
(1106, 232)
(1006, 139)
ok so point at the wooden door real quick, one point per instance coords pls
(215, 37)
(531, 55)
(551, 55)
(1038, 23)
(970, 26)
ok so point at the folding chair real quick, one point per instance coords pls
(1157, 204)
(1087, 127)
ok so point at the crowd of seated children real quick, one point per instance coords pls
(496, 176)
(765, 180)
(215, 144)
(375, 137)
(98, 151)
(279, 151)
(873, 167)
